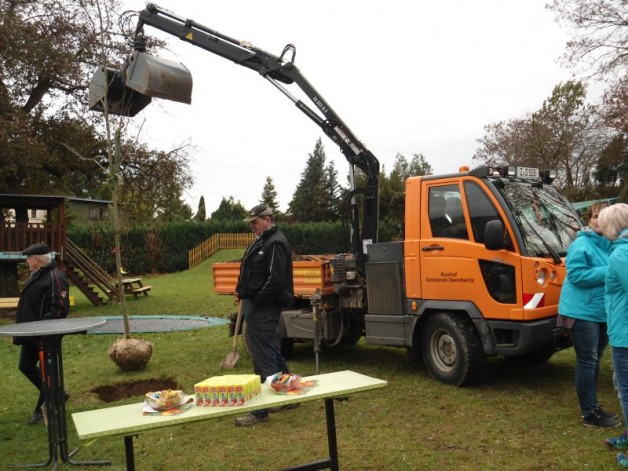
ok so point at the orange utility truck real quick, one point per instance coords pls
(480, 265)
(477, 274)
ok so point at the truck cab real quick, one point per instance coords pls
(482, 262)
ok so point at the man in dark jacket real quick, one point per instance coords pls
(264, 287)
(44, 296)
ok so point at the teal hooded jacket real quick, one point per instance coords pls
(617, 291)
(582, 294)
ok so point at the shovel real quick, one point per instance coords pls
(232, 357)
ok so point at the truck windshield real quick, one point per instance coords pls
(545, 219)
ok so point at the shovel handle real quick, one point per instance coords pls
(237, 326)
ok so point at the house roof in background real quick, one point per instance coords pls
(41, 201)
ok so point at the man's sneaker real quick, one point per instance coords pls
(249, 420)
(622, 460)
(37, 418)
(606, 414)
(284, 408)
(596, 420)
(618, 443)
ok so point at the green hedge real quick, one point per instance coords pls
(165, 249)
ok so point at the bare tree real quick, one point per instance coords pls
(599, 38)
(599, 45)
(563, 135)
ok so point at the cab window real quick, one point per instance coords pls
(481, 211)
(446, 213)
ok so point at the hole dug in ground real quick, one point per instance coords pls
(116, 392)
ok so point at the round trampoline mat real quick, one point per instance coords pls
(156, 323)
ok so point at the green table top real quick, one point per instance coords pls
(128, 419)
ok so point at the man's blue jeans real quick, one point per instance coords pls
(589, 340)
(620, 377)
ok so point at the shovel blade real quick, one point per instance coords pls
(230, 360)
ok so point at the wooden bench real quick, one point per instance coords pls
(140, 290)
(8, 303)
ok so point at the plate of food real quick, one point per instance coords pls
(290, 384)
(166, 399)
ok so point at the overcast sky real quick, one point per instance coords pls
(406, 76)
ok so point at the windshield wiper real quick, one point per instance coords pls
(552, 252)
(567, 229)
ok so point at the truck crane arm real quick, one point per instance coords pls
(280, 71)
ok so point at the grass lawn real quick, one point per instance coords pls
(521, 418)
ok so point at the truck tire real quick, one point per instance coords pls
(451, 349)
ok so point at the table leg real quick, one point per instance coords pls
(52, 451)
(332, 461)
(331, 434)
(128, 453)
(51, 363)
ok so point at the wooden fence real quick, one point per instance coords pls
(218, 242)
(16, 236)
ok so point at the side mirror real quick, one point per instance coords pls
(494, 235)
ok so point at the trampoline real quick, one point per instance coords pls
(156, 323)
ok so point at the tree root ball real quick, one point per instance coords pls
(131, 354)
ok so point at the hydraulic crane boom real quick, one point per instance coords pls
(280, 71)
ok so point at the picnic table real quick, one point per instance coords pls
(135, 286)
(128, 420)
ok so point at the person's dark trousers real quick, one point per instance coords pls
(620, 376)
(263, 341)
(589, 341)
(28, 365)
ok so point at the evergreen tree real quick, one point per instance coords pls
(316, 196)
(200, 213)
(269, 195)
(419, 166)
(392, 188)
(229, 210)
(334, 191)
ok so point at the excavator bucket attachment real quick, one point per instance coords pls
(121, 100)
(159, 78)
(129, 90)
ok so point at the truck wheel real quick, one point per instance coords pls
(452, 351)
(354, 332)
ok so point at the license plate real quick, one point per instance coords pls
(527, 172)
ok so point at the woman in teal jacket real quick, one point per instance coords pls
(582, 311)
(614, 223)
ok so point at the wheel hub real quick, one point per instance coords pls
(444, 349)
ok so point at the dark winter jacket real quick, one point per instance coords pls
(44, 296)
(266, 270)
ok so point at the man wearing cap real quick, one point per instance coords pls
(264, 287)
(44, 296)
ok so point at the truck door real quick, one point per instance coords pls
(455, 264)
